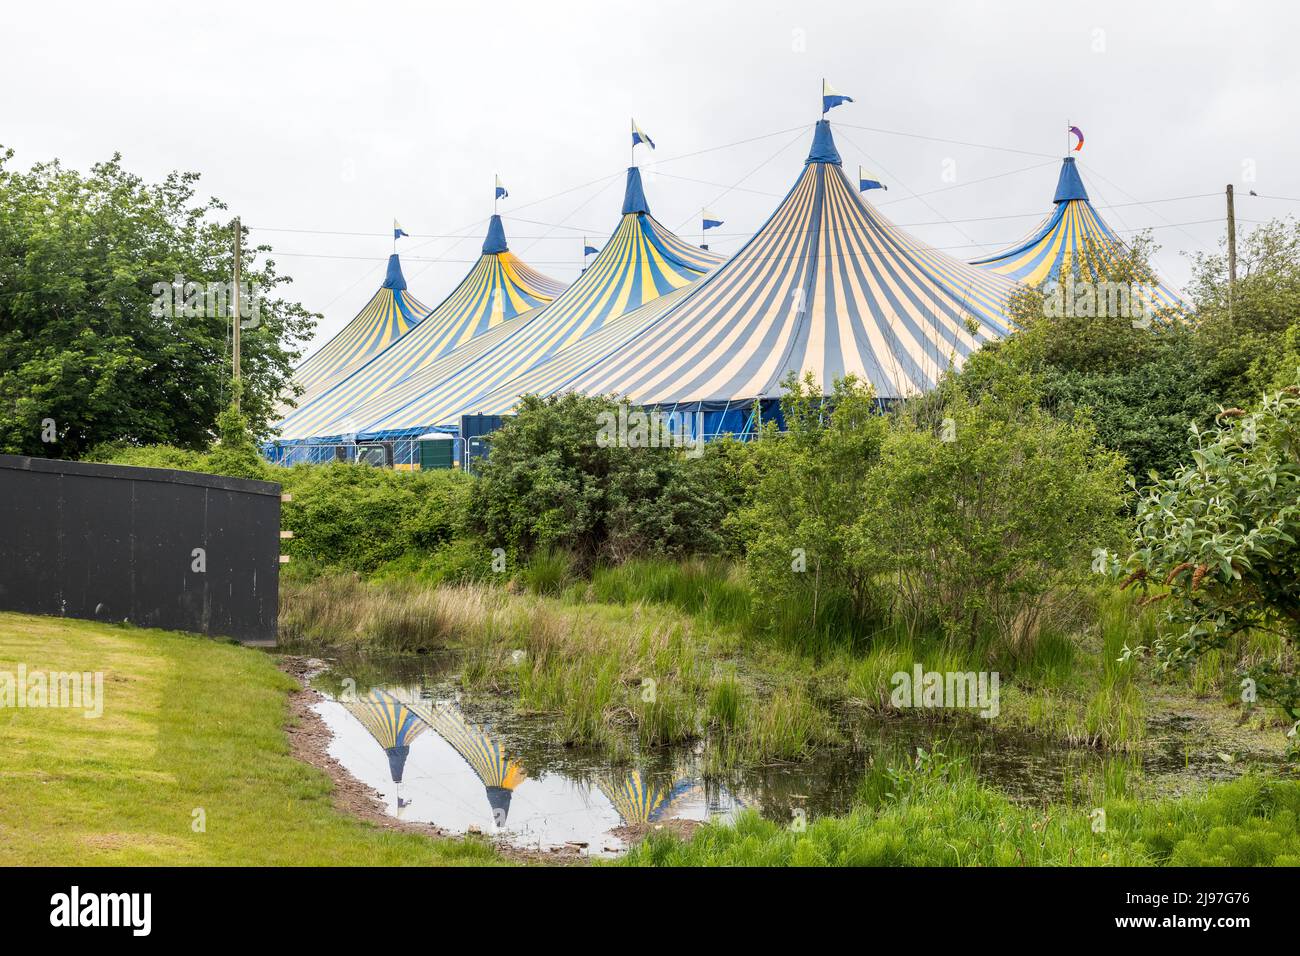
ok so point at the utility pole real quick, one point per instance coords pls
(1232, 254)
(239, 249)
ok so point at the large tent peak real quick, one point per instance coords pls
(634, 195)
(495, 242)
(823, 146)
(1070, 185)
(394, 280)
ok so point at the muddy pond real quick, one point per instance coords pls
(472, 764)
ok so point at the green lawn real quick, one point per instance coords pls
(187, 723)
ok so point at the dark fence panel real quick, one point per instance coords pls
(116, 543)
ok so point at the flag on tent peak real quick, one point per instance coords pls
(588, 250)
(398, 231)
(711, 221)
(501, 192)
(866, 181)
(1079, 133)
(831, 97)
(640, 136)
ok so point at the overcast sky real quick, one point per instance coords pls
(339, 117)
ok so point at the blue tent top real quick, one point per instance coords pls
(394, 279)
(823, 146)
(1070, 185)
(634, 197)
(495, 243)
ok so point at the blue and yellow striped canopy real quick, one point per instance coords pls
(827, 286)
(498, 289)
(639, 801)
(642, 262)
(391, 722)
(386, 318)
(485, 754)
(1073, 238)
(555, 375)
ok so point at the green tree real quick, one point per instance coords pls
(1140, 381)
(1239, 342)
(806, 496)
(80, 343)
(979, 512)
(549, 482)
(1222, 534)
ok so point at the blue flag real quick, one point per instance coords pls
(639, 136)
(710, 220)
(831, 98)
(501, 190)
(398, 231)
(588, 250)
(865, 182)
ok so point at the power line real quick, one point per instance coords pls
(954, 142)
(569, 262)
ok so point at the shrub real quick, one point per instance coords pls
(977, 522)
(548, 483)
(1222, 533)
(1140, 382)
(808, 492)
(357, 518)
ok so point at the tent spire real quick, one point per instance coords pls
(1070, 185)
(634, 200)
(495, 242)
(823, 146)
(394, 279)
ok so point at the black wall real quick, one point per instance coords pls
(116, 543)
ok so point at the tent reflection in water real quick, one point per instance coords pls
(639, 801)
(393, 724)
(485, 754)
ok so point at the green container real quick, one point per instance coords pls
(437, 453)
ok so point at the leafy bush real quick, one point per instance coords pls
(548, 483)
(1139, 385)
(1223, 534)
(808, 492)
(977, 518)
(357, 518)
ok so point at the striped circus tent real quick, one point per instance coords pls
(392, 722)
(386, 318)
(485, 754)
(555, 375)
(638, 801)
(642, 262)
(827, 286)
(1073, 235)
(498, 289)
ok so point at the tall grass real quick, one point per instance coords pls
(709, 588)
(934, 812)
(623, 678)
(549, 572)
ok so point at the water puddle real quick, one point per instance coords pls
(473, 765)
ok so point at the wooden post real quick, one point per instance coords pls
(239, 244)
(1232, 254)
